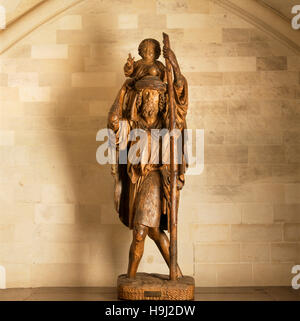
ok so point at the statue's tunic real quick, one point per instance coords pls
(145, 197)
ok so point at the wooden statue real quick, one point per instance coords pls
(146, 191)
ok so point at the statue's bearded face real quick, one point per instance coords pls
(150, 103)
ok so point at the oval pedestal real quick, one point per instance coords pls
(155, 287)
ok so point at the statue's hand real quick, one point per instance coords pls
(180, 184)
(113, 121)
(128, 67)
(117, 194)
(130, 61)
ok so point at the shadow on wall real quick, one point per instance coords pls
(103, 243)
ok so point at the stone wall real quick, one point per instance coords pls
(239, 222)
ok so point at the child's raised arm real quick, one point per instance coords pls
(128, 67)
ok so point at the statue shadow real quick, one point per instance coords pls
(101, 241)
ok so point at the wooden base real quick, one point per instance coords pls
(155, 287)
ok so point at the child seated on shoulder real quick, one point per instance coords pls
(149, 50)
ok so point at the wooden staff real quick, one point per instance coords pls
(173, 210)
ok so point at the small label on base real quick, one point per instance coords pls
(148, 294)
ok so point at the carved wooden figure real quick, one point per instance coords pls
(148, 176)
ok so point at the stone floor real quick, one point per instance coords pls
(110, 294)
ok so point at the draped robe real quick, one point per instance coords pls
(145, 191)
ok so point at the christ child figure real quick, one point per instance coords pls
(149, 50)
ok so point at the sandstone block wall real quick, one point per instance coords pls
(239, 222)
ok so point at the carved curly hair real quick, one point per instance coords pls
(156, 46)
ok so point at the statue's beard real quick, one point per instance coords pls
(148, 110)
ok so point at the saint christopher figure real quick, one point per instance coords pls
(142, 188)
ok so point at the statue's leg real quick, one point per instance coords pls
(136, 249)
(161, 240)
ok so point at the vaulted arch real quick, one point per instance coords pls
(29, 15)
(265, 18)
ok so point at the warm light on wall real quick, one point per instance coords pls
(2, 17)
(2, 277)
